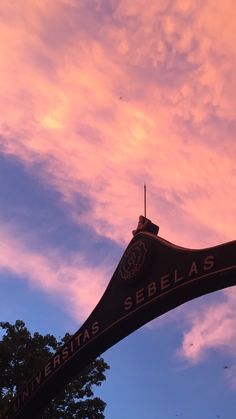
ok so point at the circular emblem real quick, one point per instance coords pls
(133, 260)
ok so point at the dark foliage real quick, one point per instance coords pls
(22, 355)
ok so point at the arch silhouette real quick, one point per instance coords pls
(152, 277)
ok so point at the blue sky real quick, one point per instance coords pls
(98, 97)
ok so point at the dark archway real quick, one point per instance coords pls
(152, 277)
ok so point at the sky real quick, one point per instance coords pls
(96, 98)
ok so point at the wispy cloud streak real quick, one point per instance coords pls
(105, 107)
(70, 282)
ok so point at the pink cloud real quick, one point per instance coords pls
(90, 85)
(212, 328)
(71, 281)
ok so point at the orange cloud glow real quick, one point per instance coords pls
(135, 103)
(109, 96)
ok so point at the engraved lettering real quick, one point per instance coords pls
(16, 404)
(95, 328)
(47, 369)
(56, 361)
(65, 353)
(77, 338)
(208, 263)
(86, 335)
(25, 394)
(140, 296)
(38, 378)
(165, 281)
(193, 269)
(152, 289)
(176, 277)
(128, 303)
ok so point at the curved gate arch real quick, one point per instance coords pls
(152, 277)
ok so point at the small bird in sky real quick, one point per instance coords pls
(225, 367)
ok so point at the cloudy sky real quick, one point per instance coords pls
(98, 97)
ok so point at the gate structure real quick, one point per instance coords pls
(152, 277)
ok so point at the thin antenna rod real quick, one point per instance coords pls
(145, 200)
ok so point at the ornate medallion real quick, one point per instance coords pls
(133, 260)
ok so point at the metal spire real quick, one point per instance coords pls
(145, 200)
